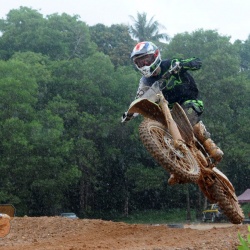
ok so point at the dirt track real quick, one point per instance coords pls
(54, 233)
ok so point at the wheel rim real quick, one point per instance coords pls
(165, 142)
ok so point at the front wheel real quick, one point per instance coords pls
(160, 144)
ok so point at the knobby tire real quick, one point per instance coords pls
(159, 143)
(228, 204)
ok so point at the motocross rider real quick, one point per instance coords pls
(179, 87)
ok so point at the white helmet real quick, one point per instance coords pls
(146, 57)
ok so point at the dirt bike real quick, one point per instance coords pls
(168, 136)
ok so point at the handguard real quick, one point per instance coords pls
(127, 117)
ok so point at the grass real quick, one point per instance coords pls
(156, 217)
(244, 243)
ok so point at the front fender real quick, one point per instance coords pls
(147, 109)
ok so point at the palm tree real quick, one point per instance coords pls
(142, 30)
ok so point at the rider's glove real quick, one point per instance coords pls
(176, 67)
(127, 117)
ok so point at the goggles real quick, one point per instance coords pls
(145, 60)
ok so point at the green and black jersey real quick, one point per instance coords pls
(180, 86)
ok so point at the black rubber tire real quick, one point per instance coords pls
(226, 202)
(159, 144)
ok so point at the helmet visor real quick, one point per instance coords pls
(145, 60)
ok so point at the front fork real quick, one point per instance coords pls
(172, 126)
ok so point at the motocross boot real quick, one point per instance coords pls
(172, 180)
(204, 137)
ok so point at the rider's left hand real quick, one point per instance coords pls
(127, 117)
(176, 67)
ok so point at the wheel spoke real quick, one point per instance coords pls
(165, 141)
(160, 144)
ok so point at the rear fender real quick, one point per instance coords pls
(223, 179)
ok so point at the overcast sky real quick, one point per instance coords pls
(228, 17)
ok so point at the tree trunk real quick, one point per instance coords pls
(205, 204)
(188, 218)
(126, 198)
(198, 208)
(126, 206)
(84, 191)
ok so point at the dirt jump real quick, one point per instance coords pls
(58, 233)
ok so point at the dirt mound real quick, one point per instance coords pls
(56, 233)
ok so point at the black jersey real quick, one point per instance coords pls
(180, 86)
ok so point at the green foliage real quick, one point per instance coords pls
(245, 244)
(244, 52)
(146, 30)
(156, 217)
(246, 208)
(145, 178)
(63, 89)
(57, 36)
(22, 24)
(110, 41)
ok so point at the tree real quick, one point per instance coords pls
(113, 41)
(63, 89)
(67, 37)
(243, 48)
(40, 70)
(18, 91)
(144, 30)
(57, 36)
(24, 24)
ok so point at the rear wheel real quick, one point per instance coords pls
(227, 203)
(158, 141)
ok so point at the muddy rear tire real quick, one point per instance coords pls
(228, 204)
(159, 143)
